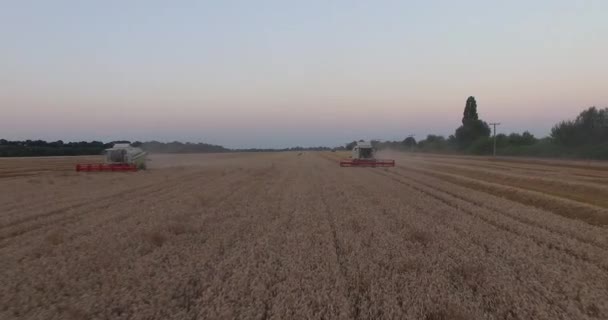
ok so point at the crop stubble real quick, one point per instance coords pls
(282, 235)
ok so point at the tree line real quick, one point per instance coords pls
(320, 148)
(586, 136)
(41, 148)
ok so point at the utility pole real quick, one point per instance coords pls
(494, 124)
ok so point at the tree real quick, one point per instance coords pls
(524, 139)
(350, 146)
(470, 111)
(376, 144)
(472, 127)
(409, 142)
(433, 143)
(590, 127)
(122, 141)
(452, 141)
(59, 148)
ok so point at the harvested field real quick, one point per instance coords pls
(288, 235)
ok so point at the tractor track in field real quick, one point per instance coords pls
(151, 188)
(213, 266)
(464, 235)
(581, 194)
(437, 192)
(515, 217)
(558, 205)
(499, 225)
(537, 164)
(157, 193)
(233, 191)
(175, 191)
(482, 247)
(531, 223)
(130, 190)
(524, 179)
(90, 206)
(368, 191)
(510, 167)
(354, 293)
(353, 298)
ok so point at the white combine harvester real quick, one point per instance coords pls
(121, 157)
(363, 156)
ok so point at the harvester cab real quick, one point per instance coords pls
(363, 155)
(124, 153)
(121, 157)
(363, 150)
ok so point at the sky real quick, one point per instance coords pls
(286, 73)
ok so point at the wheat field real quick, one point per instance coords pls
(294, 236)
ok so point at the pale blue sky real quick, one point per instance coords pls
(284, 73)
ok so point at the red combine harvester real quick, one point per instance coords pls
(363, 156)
(121, 157)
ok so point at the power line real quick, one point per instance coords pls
(494, 124)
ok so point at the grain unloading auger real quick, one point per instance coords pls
(121, 157)
(363, 156)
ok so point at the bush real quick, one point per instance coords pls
(589, 128)
(547, 148)
(481, 146)
(434, 143)
(470, 132)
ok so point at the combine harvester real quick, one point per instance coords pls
(121, 157)
(363, 156)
